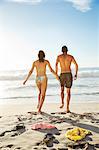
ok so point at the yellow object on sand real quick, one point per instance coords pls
(77, 134)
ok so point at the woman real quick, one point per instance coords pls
(41, 78)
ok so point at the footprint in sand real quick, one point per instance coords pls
(40, 148)
(17, 148)
(32, 113)
(63, 148)
(59, 113)
(53, 113)
(7, 147)
(17, 130)
(49, 140)
(83, 146)
(96, 145)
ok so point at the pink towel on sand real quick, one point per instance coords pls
(42, 126)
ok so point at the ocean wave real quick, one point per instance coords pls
(21, 87)
(85, 93)
(24, 97)
(50, 95)
(18, 97)
(21, 75)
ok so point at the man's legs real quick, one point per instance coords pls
(68, 99)
(62, 96)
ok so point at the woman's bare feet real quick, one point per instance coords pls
(62, 106)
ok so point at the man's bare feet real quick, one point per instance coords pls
(68, 111)
(62, 106)
(39, 112)
(65, 112)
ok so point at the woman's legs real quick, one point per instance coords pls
(39, 95)
(43, 93)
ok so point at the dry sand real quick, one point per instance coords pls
(16, 122)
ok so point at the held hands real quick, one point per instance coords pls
(75, 77)
(57, 77)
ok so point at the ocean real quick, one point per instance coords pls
(84, 89)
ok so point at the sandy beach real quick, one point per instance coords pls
(16, 121)
(49, 54)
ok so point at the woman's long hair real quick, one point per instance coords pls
(41, 56)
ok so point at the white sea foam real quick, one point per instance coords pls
(85, 88)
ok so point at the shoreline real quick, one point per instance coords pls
(22, 108)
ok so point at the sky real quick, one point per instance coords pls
(27, 26)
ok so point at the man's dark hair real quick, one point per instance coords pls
(41, 56)
(64, 49)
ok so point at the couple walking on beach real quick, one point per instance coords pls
(65, 60)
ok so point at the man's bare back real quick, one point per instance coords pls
(65, 62)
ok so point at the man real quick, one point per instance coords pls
(41, 77)
(66, 78)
